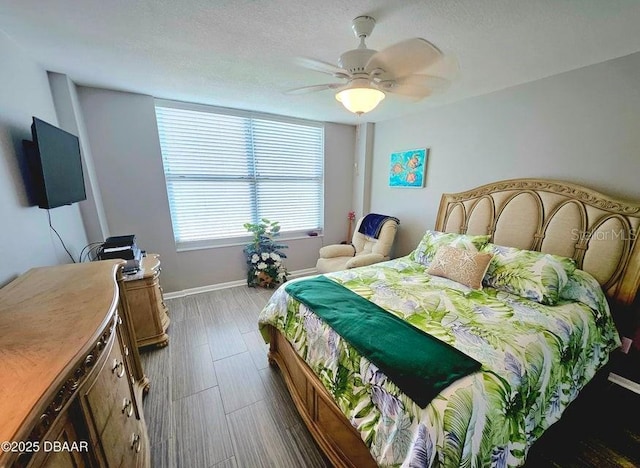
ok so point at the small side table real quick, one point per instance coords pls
(145, 303)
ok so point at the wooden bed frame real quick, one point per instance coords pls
(551, 216)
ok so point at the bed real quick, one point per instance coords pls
(537, 351)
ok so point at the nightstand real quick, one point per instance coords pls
(145, 303)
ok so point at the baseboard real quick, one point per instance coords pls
(301, 273)
(230, 284)
(626, 383)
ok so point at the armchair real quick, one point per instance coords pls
(371, 243)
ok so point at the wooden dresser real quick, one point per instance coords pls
(144, 300)
(72, 384)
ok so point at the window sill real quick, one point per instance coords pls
(239, 242)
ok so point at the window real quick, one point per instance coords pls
(224, 168)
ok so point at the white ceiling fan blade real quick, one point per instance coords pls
(415, 86)
(435, 83)
(313, 88)
(447, 67)
(322, 67)
(405, 58)
(415, 92)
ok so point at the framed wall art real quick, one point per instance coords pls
(408, 168)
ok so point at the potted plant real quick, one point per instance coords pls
(264, 255)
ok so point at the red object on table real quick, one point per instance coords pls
(351, 217)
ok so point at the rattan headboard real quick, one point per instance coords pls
(598, 231)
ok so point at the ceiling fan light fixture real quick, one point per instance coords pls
(360, 100)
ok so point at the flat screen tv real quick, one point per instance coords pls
(55, 165)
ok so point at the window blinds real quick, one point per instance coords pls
(226, 168)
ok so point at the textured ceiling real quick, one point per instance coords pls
(239, 53)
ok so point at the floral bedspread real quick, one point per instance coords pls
(535, 359)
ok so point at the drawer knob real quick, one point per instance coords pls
(135, 442)
(118, 368)
(127, 407)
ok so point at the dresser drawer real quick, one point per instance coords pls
(104, 396)
(122, 437)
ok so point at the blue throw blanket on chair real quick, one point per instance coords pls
(372, 223)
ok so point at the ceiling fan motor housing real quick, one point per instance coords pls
(355, 60)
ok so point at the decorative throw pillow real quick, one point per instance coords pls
(432, 240)
(460, 265)
(533, 275)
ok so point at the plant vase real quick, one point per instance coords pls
(264, 255)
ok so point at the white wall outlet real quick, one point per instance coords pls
(626, 344)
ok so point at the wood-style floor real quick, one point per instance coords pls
(600, 429)
(215, 402)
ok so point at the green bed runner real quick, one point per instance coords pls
(419, 364)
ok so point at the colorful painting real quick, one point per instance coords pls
(407, 168)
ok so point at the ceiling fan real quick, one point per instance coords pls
(370, 74)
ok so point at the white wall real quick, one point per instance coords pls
(340, 151)
(362, 169)
(581, 126)
(124, 142)
(65, 99)
(25, 238)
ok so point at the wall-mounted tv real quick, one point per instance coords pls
(55, 166)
